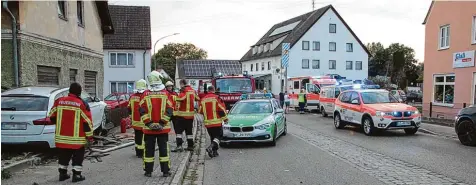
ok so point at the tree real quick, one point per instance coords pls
(171, 52)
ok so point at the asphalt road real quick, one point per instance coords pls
(314, 152)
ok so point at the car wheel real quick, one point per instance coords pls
(410, 131)
(102, 130)
(338, 123)
(323, 112)
(466, 132)
(285, 128)
(275, 131)
(368, 126)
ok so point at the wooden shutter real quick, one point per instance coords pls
(90, 82)
(72, 75)
(48, 75)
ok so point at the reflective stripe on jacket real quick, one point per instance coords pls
(134, 106)
(213, 110)
(73, 122)
(174, 101)
(186, 100)
(156, 106)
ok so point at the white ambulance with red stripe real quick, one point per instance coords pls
(311, 85)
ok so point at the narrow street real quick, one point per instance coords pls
(314, 152)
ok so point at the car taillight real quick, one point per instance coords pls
(44, 121)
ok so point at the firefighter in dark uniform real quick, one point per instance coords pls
(214, 114)
(137, 125)
(156, 109)
(185, 114)
(72, 118)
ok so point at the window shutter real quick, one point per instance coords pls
(90, 82)
(48, 75)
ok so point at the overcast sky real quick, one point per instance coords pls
(227, 28)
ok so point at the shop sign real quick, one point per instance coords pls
(463, 59)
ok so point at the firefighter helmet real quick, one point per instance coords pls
(169, 83)
(155, 82)
(141, 86)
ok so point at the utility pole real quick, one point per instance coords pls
(313, 5)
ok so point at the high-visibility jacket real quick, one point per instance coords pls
(302, 98)
(134, 105)
(174, 101)
(156, 107)
(213, 110)
(72, 117)
(186, 100)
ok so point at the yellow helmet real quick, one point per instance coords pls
(169, 83)
(154, 81)
(141, 85)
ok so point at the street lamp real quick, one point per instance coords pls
(158, 41)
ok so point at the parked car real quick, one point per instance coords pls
(117, 100)
(465, 126)
(25, 111)
(400, 95)
(414, 96)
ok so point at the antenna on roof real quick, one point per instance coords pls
(313, 5)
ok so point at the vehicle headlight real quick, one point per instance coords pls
(263, 126)
(381, 114)
(416, 112)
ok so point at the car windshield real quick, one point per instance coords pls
(230, 85)
(252, 108)
(25, 103)
(111, 97)
(378, 97)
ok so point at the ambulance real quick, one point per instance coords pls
(329, 94)
(311, 85)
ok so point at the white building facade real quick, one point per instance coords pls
(321, 43)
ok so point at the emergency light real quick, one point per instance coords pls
(256, 96)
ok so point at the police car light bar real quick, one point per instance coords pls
(256, 96)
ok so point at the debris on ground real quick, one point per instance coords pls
(103, 145)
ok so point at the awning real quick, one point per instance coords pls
(260, 75)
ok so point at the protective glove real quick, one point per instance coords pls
(89, 142)
(156, 126)
(148, 124)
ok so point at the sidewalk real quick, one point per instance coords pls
(438, 130)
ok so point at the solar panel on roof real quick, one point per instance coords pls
(197, 68)
(285, 28)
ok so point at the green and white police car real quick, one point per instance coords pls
(256, 118)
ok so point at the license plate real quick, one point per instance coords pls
(403, 124)
(242, 135)
(13, 126)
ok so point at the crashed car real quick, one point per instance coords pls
(259, 120)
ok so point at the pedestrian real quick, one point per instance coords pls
(156, 109)
(170, 88)
(286, 101)
(72, 118)
(214, 114)
(185, 114)
(137, 125)
(281, 99)
(302, 101)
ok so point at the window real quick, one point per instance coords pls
(262, 66)
(121, 59)
(345, 97)
(24, 103)
(332, 46)
(316, 46)
(72, 75)
(336, 92)
(296, 84)
(445, 37)
(305, 45)
(315, 64)
(332, 64)
(474, 30)
(354, 96)
(332, 28)
(348, 65)
(269, 65)
(257, 67)
(349, 47)
(251, 67)
(80, 12)
(62, 13)
(358, 65)
(443, 91)
(122, 87)
(90, 82)
(47, 75)
(305, 63)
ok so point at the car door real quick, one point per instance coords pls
(344, 106)
(95, 109)
(312, 94)
(354, 111)
(278, 117)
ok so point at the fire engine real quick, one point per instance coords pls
(229, 87)
(311, 85)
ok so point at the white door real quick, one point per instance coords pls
(95, 109)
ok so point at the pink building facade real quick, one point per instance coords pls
(450, 45)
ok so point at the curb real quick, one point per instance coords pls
(16, 166)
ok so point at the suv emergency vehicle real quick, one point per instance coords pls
(329, 95)
(375, 109)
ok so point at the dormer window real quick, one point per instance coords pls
(266, 47)
(254, 49)
(260, 49)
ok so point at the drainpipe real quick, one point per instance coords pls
(143, 58)
(14, 40)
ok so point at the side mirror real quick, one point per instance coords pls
(96, 99)
(279, 110)
(355, 102)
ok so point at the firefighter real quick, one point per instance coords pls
(185, 114)
(72, 118)
(133, 107)
(178, 137)
(302, 101)
(214, 113)
(156, 109)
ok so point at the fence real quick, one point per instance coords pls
(432, 110)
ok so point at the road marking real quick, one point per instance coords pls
(385, 168)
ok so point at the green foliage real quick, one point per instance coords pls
(171, 52)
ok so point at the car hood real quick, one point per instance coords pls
(246, 119)
(389, 107)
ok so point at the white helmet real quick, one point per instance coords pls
(155, 82)
(141, 86)
(169, 83)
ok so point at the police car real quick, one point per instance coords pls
(375, 109)
(255, 118)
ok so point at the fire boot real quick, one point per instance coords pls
(215, 153)
(63, 174)
(210, 151)
(190, 147)
(178, 148)
(77, 176)
(166, 174)
(148, 174)
(139, 153)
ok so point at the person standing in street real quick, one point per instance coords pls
(156, 109)
(214, 114)
(281, 99)
(302, 101)
(137, 125)
(178, 137)
(185, 114)
(287, 102)
(72, 118)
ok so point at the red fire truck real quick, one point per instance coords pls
(229, 87)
